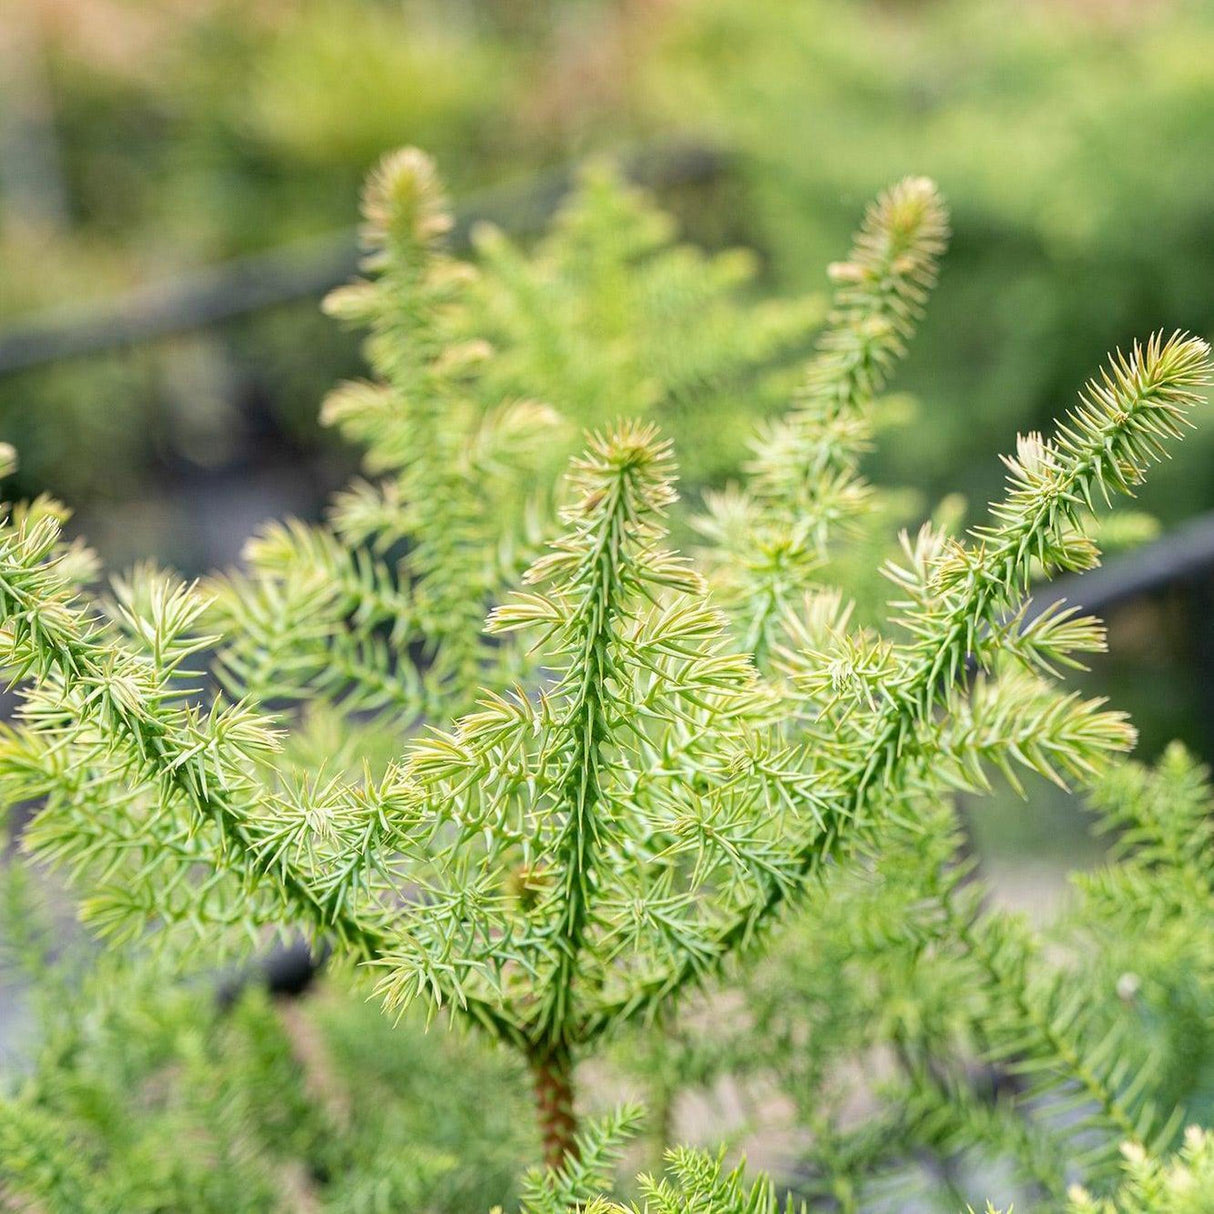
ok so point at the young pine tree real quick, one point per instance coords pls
(565, 823)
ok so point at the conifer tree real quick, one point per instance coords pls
(620, 786)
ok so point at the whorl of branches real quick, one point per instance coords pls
(561, 823)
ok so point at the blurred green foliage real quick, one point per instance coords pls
(611, 316)
(1074, 140)
(191, 133)
(149, 1094)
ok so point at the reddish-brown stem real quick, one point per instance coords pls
(552, 1072)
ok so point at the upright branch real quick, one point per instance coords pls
(619, 485)
(880, 293)
(771, 539)
(606, 809)
(450, 489)
(616, 485)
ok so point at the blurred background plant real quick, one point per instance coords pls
(1073, 138)
(149, 1094)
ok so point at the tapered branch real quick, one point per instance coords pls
(581, 787)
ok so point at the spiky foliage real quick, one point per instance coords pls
(586, 1172)
(588, 834)
(636, 798)
(321, 613)
(380, 610)
(867, 707)
(693, 1180)
(1183, 1184)
(771, 538)
(975, 1044)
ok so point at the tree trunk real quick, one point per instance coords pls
(553, 1075)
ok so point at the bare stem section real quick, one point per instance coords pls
(552, 1073)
